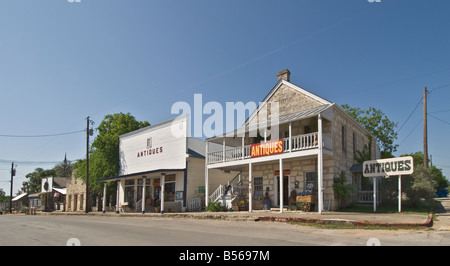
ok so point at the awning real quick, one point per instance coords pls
(115, 178)
(356, 168)
(19, 197)
(60, 190)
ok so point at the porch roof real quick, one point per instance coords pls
(115, 178)
(325, 110)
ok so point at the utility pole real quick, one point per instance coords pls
(88, 133)
(13, 173)
(425, 130)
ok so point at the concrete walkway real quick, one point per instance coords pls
(343, 218)
(443, 215)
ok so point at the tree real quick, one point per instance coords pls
(35, 177)
(104, 153)
(64, 168)
(378, 124)
(423, 185)
(436, 173)
(342, 191)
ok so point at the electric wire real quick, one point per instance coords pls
(42, 136)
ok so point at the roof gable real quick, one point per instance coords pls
(291, 99)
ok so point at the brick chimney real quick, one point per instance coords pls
(284, 74)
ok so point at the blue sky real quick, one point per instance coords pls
(61, 62)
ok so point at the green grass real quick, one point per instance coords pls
(392, 207)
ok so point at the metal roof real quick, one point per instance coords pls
(323, 109)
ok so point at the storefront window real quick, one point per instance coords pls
(129, 193)
(311, 181)
(169, 188)
(258, 188)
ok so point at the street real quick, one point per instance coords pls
(19, 230)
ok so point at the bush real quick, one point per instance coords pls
(423, 186)
(214, 207)
(342, 191)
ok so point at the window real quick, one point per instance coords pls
(129, 192)
(343, 139)
(310, 181)
(169, 188)
(81, 201)
(258, 182)
(354, 144)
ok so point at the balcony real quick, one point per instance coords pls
(299, 143)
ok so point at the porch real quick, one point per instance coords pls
(298, 143)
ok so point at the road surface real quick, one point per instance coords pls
(19, 230)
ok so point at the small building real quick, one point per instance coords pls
(76, 194)
(19, 202)
(53, 193)
(162, 170)
(311, 141)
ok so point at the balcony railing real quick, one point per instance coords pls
(300, 142)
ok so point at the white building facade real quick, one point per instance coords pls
(161, 169)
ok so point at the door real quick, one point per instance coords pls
(75, 201)
(285, 190)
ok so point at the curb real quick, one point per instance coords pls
(427, 223)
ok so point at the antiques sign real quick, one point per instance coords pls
(388, 167)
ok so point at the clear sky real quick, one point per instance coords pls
(61, 62)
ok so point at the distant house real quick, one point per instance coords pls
(20, 201)
(53, 193)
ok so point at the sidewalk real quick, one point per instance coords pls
(337, 218)
(443, 215)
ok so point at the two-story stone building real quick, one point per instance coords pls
(316, 142)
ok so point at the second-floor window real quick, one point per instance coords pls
(344, 144)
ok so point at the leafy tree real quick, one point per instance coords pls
(34, 178)
(104, 153)
(378, 124)
(423, 185)
(342, 191)
(436, 173)
(64, 168)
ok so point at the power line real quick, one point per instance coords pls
(448, 123)
(415, 108)
(411, 131)
(41, 136)
(28, 162)
(443, 86)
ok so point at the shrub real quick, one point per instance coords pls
(214, 207)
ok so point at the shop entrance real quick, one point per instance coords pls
(285, 190)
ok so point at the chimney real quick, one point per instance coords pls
(284, 74)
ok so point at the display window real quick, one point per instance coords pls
(169, 188)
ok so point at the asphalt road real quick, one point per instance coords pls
(20, 230)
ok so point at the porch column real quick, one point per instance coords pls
(206, 176)
(250, 206)
(117, 196)
(104, 197)
(243, 148)
(290, 136)
(374, 194)
(281, 186)
(320, 165)
(163, 179)
(223, 149)
(143, 194)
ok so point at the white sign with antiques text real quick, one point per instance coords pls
(389, 167)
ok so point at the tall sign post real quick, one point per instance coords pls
(387, 168)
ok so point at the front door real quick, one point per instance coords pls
(285, 190)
